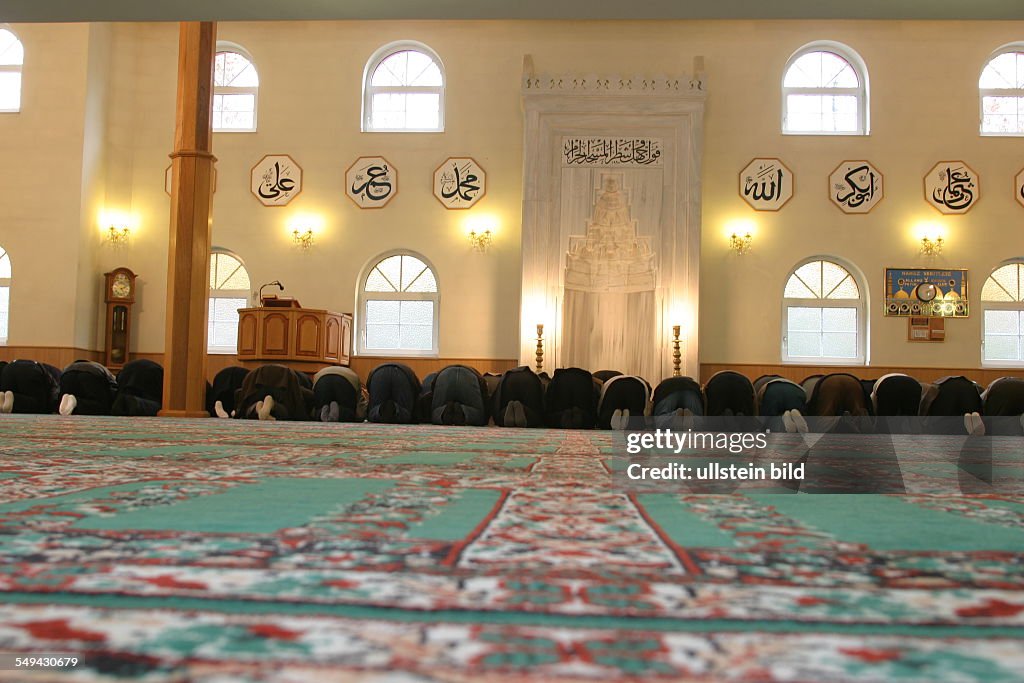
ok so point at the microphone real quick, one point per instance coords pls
(275, 282)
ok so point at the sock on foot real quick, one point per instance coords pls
(68, 403)
(218, 410)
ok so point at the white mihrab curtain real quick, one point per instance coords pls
(611, 220)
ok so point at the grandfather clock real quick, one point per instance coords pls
(119, 293)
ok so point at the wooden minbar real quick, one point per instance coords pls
(302, 338)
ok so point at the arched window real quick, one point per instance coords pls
(824, 314)
(825, 91)
(12, 56)
(229, 291)
(403, 89)
(398, 306)
(5, 293)
(1001, 88)
(236, 86)
(1002, 312)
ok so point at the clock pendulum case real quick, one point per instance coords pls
(119, 294)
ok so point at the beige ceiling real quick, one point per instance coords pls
(245, 10)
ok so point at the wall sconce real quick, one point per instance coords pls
(303, 239)
(677, 356)
(540, 348)
(481, 229)
(741, 244)
(480, 241)
(118, 236)
(931, 246)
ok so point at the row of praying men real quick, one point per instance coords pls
(571, 398)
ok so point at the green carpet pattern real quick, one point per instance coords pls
(216, 550)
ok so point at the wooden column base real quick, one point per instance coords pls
(183, 413)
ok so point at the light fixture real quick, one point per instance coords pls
(303, 239)
(540, 348)
(480, 241)
(480, 228)
(931, 246)
(741, 244)
(118, 235)
(677, 356)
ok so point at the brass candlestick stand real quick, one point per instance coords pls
(676, 355)
(540, 348)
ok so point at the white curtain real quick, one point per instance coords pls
(611, 331)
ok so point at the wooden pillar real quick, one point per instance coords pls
(188, 266)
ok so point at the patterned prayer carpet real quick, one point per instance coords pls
(221, 550)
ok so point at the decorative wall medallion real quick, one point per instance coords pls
(459, 183)
(371, 182)
(276, 180)
(766, 184)
(167, 180)
(855, 186)
(1018, 187)
(952, 187)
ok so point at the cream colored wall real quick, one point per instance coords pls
(41, 177)
(924, 109)
(88, 293)
(923, 103)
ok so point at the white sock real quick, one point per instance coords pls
(68, 403)
(975, 425)
(8, 402)
(798, 421)
(788, 423)
(218, 409)
(264, 407)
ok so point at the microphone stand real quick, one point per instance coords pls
(275, 282)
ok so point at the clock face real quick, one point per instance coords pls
(122, 286)
(926, 291)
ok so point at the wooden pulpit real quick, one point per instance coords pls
(302, 338)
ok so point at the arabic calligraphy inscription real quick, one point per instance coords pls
(766, 184)
(855, 186)
(592, 151)
(371, 182)
(952, 187)
(276, 180)
(459, 183)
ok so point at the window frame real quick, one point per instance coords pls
(860, 304)
(379, 57)
(16, 69)
(986, 306)
(5, 282)
(226, 294)
(362, 296)
(998, 92)
(227, 46)
(861, 92)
